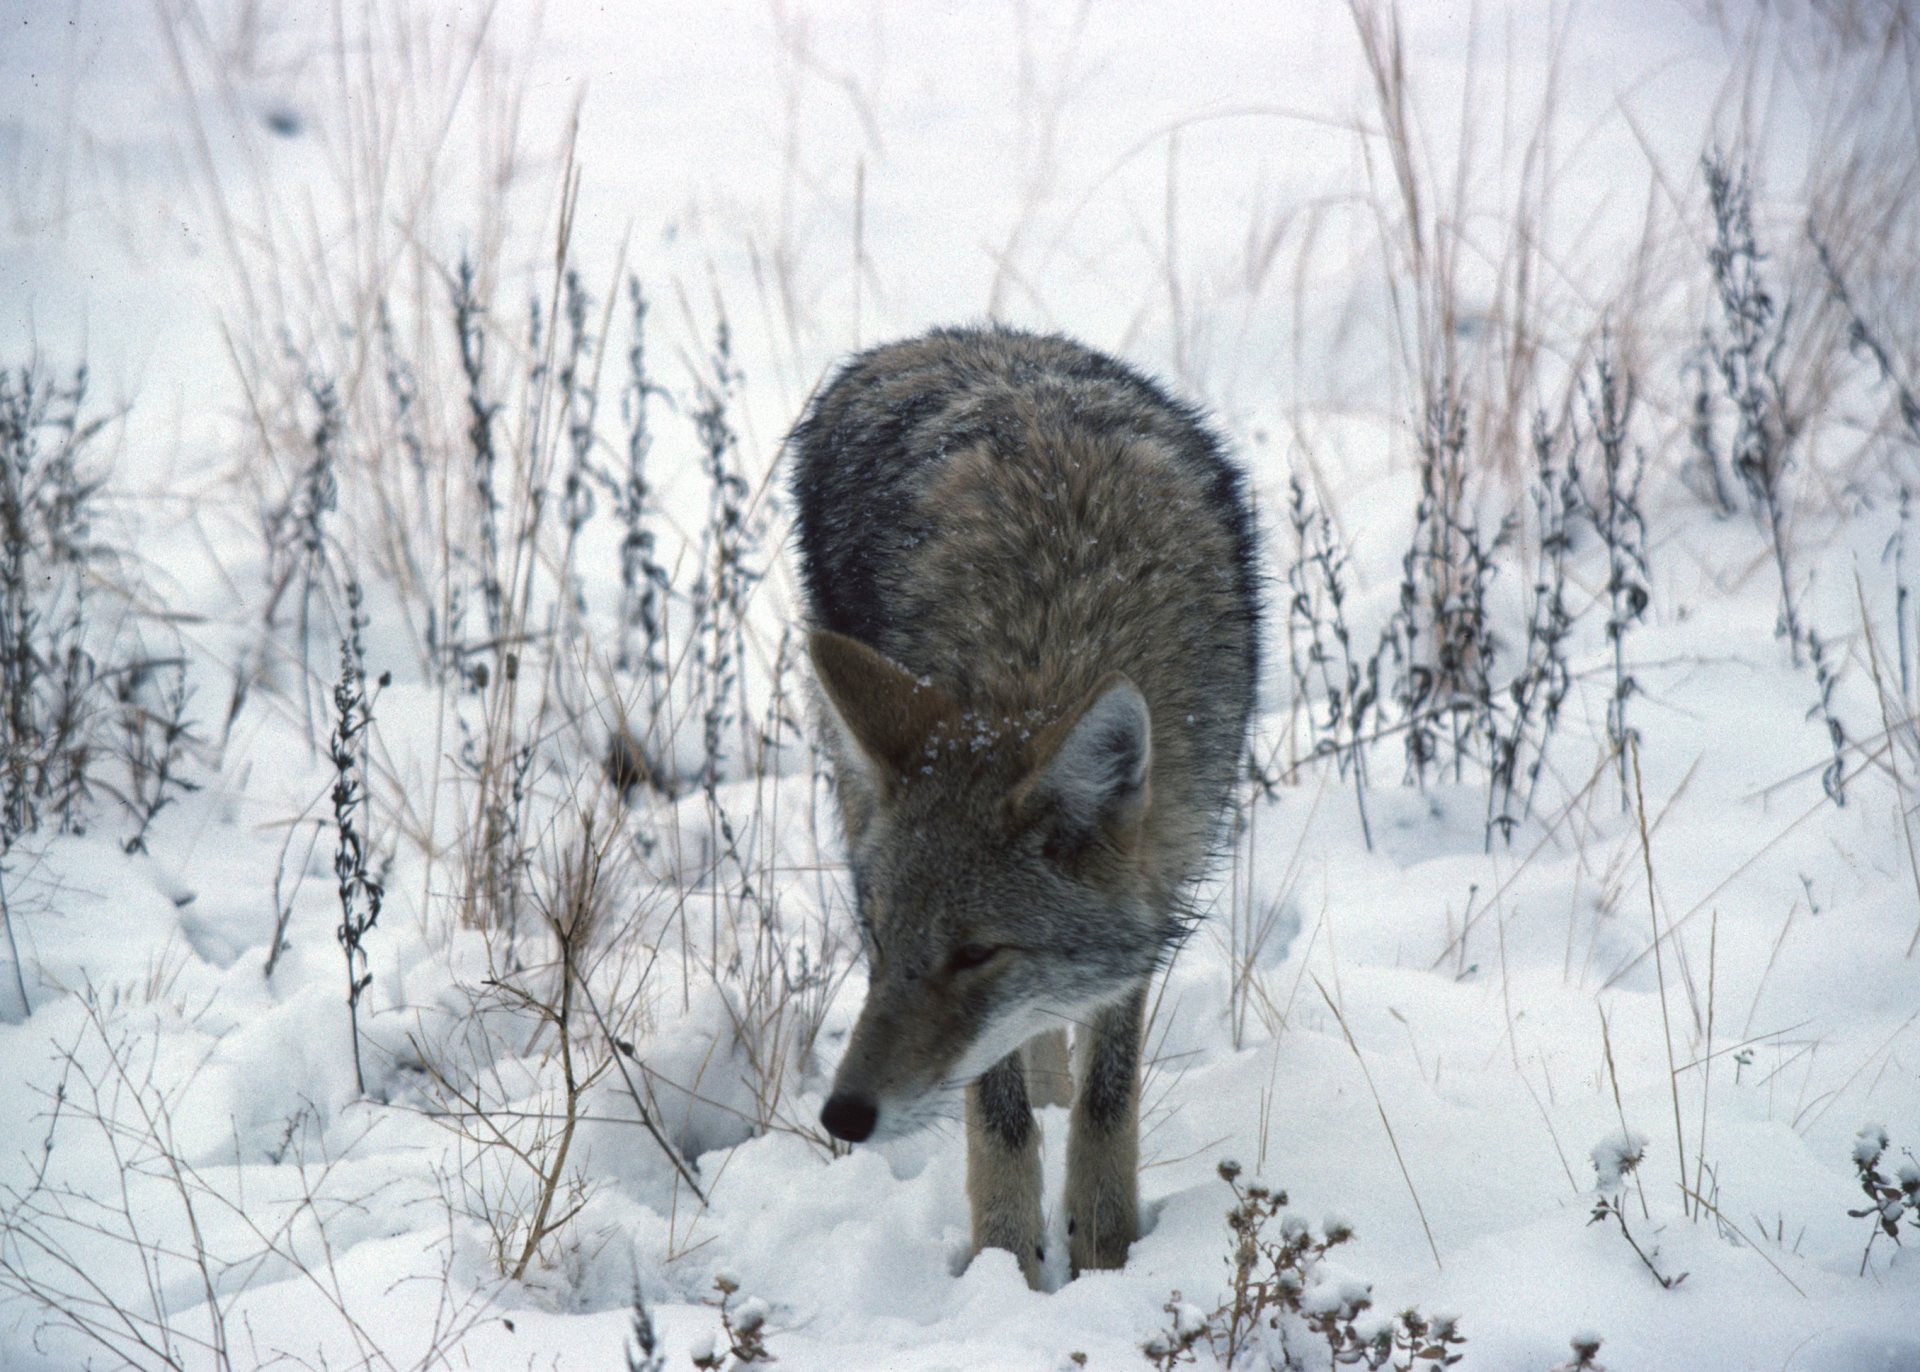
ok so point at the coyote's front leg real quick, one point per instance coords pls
(1103, 1147)
(1003, 1166)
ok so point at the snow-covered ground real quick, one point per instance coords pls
(238, 216)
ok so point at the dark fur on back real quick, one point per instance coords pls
(892, 410)
(1013, 515)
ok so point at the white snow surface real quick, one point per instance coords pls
(1441, 1033)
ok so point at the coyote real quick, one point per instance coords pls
(1029, 578)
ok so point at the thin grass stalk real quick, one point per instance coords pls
(1385, 1123)
(1893, 753)
(1706, 1070)
(1660, 967)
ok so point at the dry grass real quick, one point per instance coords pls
(155, 1271)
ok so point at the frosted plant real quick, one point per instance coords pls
(1586, 1347)
(1890, 1198)
(1614, 1159)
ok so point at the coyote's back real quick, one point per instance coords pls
(1030, 573)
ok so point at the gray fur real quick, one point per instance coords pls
(1030, 576)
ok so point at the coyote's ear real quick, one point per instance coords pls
(1089, 774)
(880, 708)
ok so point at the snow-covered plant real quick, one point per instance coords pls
(1441, 636)
(1746, 352)
(156, 736)
(635, 756)
(1187, 1326)
(730, 560)
(743, 1326)
(1864, 338)
(361, 893)
(1282, 1286)
(1614, 1160)
(645, 1355)
(1586, 1348)
(1615, 1157)
(78, 688)
(1540, 687)
(45, 665)
(579, 397)
(1890, 1198)
(1320, 648)
(1623, 528)
(1746, 348)
(1703, 471)
(468, 315)
(1826, 677)
(297, 538)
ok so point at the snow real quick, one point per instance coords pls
(1421, 1039)
(1615, 1156)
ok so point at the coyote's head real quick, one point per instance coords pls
(999, 874)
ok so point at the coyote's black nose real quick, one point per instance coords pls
(848, 1117)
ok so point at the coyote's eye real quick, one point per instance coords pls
(970, 955)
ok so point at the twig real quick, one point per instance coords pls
(1609, 1207)
(1387, 1124)
(1720, 1215)
(646, 1116)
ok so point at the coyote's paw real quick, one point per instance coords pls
(1101, 1226)
(1032, 1258)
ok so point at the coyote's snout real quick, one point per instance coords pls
(1029, 578)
